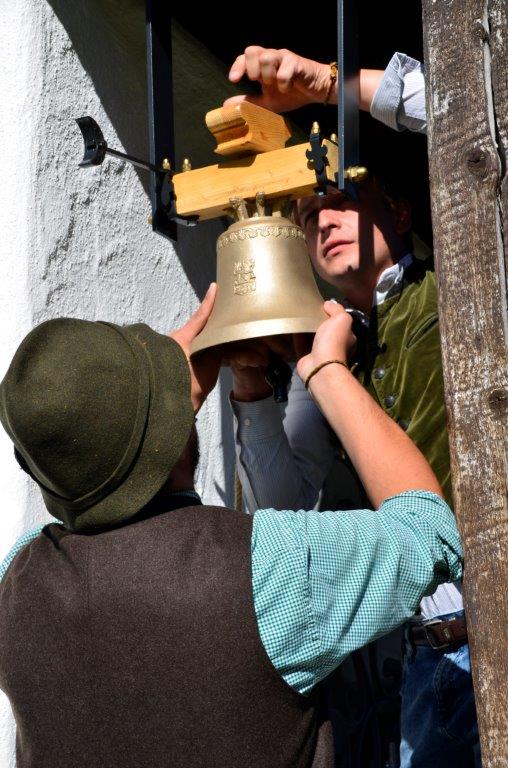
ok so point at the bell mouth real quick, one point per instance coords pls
(255, 330)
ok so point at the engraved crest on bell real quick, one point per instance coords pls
(244, 276)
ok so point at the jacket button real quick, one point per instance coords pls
(403, 424)
(389, 401)
(378, 373)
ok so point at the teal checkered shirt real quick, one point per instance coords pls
(326, 583)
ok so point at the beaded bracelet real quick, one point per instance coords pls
(322, 365)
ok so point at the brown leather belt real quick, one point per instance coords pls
(439, 634)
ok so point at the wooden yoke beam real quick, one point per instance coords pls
(206, 192)
(279, 172)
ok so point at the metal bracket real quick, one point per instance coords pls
(317, 156)
(160, 114)
(347, 87)
(96, 149)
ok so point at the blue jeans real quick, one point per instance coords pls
(438, 718)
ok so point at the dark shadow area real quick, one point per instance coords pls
(108, 37)
(384, 28)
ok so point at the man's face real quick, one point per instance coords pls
(351, 243)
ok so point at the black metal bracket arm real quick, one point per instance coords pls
(96, 149)
(348, 120)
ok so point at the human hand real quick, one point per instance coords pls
(334, 340)
(288, 81)
(205, 366)
(249, 360)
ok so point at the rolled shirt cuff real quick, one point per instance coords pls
(399, 101)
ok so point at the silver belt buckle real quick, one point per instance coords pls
(429, 637)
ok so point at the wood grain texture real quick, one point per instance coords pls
(498, 38)
(244, 127)
(206, 192)
(467, 102)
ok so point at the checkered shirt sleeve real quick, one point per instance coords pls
(22, 542)
(326, 583)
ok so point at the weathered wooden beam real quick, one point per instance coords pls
(466, 44)
(498, 22)
(206, 192)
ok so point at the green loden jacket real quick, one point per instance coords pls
(399, 363)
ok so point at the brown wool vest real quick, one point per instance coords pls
(138, 648)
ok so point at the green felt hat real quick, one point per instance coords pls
(99, 414)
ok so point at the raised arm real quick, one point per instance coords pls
(283, 464)
(359, 423)
(290, 81)
(362, 572)
(277, 447)
(395, 96)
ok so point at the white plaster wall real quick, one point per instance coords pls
(76, 242)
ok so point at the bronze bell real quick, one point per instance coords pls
(265, 284)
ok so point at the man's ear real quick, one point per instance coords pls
(403, 216)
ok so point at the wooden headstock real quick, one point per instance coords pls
(252, 140)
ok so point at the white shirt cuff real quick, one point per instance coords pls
(399, 101)
(257, 420)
